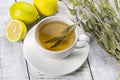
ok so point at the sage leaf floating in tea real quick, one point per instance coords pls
(58, 40)
(54, 39)
(57, 43)
(69, 29)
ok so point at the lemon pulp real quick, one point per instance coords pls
(16, 31)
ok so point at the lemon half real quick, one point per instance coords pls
(16, 30)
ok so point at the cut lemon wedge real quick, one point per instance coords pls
(16, 31)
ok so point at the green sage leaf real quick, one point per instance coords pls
(72, 11)
(69, 29)
(57, 43)
(54, 39)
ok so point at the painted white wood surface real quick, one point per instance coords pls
(12, 62)
(103, 66)
(13, 66)
(82, 73)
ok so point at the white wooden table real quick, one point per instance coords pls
(13, 66)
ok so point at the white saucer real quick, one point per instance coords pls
(54, 66)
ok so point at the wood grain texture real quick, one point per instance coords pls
(103, 66)
(82, 73)
(13, 65)
(12, 62)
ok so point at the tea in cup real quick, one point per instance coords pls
(55, 29)
(50, 40)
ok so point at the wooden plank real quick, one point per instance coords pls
(12, 63)
(103, 66)
(81, 74)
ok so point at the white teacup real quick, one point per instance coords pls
(62, 53)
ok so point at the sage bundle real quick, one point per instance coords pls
(100, 19)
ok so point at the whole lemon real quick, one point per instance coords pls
(46, 7)
(24, 11)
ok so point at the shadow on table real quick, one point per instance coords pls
(29, 26)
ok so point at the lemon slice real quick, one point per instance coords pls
(16, 30)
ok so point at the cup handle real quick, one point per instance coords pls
(82, 40)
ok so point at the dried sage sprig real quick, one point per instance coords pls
(100, 19)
